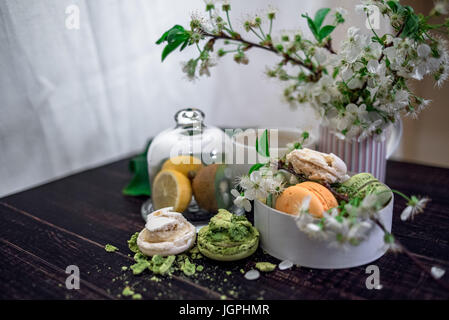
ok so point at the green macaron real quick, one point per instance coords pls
(228, 237)
(362, 184)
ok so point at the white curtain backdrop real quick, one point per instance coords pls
(74, 99)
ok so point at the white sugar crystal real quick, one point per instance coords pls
(252, 275)
(437, 272)
(286, 264)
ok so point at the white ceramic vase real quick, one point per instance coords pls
(367, 155)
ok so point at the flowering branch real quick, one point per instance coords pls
(358, 91)
(268, 47)
(394, 243)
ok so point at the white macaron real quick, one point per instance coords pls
(166, 233)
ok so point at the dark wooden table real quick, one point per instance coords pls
(68, 222)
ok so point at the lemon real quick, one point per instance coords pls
(171, 189)
(187, 165)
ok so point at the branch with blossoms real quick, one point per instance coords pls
(358, 91)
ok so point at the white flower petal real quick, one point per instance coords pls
(423, 50)
(405, 215)
(235, 193)
(437, 272)
(372, 66)
(286, 264)
(252, 275)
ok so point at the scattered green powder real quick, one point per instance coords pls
(223, 297)
(132, 243)
(137, 296)
(242, 271)
(228, 273)
(140, 267)
(188, 268)
(265, 266)
(124, 268)
(161, 265)
(199, 268)
(194, 250)
(127, 291)
(110, 248)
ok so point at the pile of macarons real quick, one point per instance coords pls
(321, 171)
(227, 237)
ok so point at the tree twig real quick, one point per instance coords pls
(411, 256)
(287, 58)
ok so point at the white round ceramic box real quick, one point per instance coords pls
(281, 238)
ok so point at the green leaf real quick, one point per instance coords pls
(411, 26)
(255, 167)
(320, 15)
(162, 39)
(305, 135)
(184, 45)
(269, 200)
(388, 238)
(175, 33)
(394, 5)
(262, 145)
(164, 36)
(169, 48)
(325, 31)
(174, 37)
(175, 43)
(312, 25)
(140, 182)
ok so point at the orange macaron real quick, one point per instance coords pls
(321, 199)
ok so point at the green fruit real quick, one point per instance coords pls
(211, 188)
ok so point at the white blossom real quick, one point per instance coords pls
(240, 201)
(254, 186)
(414, 207)
(441, 7)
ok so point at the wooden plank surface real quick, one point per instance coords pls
(68, 222)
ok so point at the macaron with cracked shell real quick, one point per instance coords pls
(318, 166)
(166, 233)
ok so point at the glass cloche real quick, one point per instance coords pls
(186, 168)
